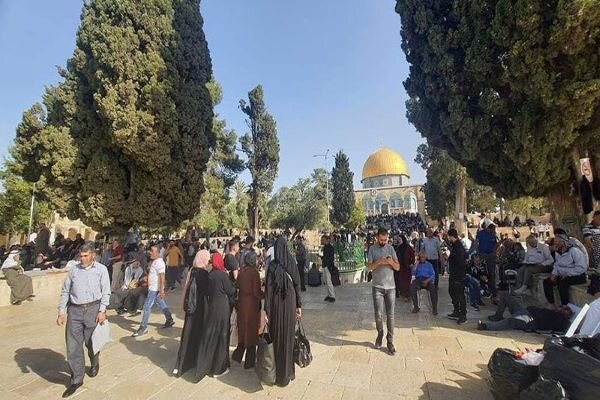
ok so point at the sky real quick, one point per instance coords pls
(332, 72)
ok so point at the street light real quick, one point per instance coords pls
(326, 157)
(31, 212)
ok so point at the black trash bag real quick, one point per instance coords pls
(546, 389)
(578, 372)
(589, 345)
(302, 354)
(265, 359)
(509, 376)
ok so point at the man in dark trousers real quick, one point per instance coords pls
(328, 259)
(83, 301)
(456, 284)
(301, 256)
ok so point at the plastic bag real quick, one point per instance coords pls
(546, 389)
(265, 359)
(101, 336)
(589, 345)
(509, 376)
(578, 372)
(302, 354)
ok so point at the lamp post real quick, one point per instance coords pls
(31, 212)
(326, 157)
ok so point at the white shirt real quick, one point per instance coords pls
(539, 255)
(466, 243)
(592, 319)
(570, 263)
(157, 267)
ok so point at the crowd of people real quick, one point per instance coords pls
(222, 286)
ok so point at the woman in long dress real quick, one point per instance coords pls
(248, 313)
(283, 307)
(195, 314)
(406, 258)
(213, 354)
(21, 287)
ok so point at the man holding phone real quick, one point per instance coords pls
(382, 261)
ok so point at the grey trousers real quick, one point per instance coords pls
(384, 300)
(526, 273)
(81, 322)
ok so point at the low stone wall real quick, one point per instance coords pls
(577, 293)
(46, 287)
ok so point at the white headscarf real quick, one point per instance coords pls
(11, 260)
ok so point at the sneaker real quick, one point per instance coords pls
(327, 298)
(461, 320)
(221, 374)
(332, 299)
(135, 313)
(480, 303)
(475, 306)
(415, 310)
(121, 311)
(481, 326)
(379, 340)
(495, 318)
(175, 372)
(140, 332)
(454, 316)
(168, 324)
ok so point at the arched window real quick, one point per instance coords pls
(380, 200)
(410, 202)
(368, 204)
(396, 201)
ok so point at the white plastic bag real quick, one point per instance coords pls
(101, 336)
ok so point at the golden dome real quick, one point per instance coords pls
(384, 162)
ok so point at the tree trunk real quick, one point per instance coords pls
(565, 210)
(460, 205)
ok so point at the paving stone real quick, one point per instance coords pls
(435, 359)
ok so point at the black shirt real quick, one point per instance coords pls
(457, 261)
(231, 264)
(548, 320)
(329, 256)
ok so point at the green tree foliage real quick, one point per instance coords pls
(441, 180)
(525, 205)
(15, 203)
(480, 198)
(222, 169)
(342, 189)
(357, 217)
(301, 206)
(510, 88)
(261, 146)
(124, 139)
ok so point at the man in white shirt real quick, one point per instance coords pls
(538, 259)
(156, 292)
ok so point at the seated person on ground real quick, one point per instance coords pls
(526, 319)
(424, 274)
(51, 260)
(478, 269)
(569, 269)
(474, 290)
(21, 287)
(511, 257)
(133, 274)
(538, 259)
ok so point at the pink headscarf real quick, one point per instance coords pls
(201, 260)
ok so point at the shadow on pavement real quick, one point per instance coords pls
(46, 363)
(467, 386)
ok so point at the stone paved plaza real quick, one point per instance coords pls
(435, 359)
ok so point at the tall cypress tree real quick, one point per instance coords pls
(261, 146)
(342, 180)
(126, 136)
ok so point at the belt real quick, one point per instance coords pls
(86, 305)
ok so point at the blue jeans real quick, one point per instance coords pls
(150, 300)
(474, 289)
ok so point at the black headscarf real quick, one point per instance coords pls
(282, 267)
(402, 249)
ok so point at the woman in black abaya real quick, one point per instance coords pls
(213, 354)
(283, 306)
(195, 313)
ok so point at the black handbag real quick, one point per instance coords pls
(265, 358)
(302, 354)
